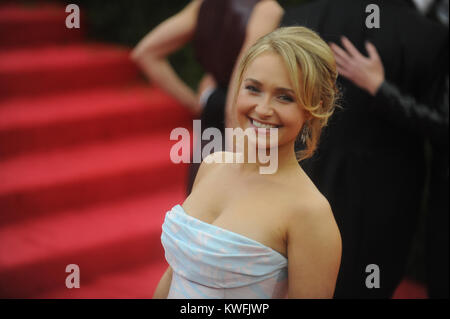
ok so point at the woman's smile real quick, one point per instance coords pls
(261, 127)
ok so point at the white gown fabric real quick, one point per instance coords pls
(212, 262)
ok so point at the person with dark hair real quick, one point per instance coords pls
(370, 168)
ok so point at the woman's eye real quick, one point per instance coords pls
(286, 98)
(252, 88)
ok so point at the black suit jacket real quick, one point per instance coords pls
(370, 168)
(414, 52)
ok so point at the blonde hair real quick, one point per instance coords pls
(312, 69)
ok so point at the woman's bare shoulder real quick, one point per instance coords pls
(311, 215)
(307, 202)
(213, 162)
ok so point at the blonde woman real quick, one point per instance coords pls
(242, 234)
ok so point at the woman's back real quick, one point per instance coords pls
(220, 34)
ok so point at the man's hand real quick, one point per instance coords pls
(365, 72)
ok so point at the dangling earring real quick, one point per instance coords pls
(304, 134)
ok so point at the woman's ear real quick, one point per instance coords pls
(308, 115)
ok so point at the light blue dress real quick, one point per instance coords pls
(212, 262)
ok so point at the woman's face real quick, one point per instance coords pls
(266, 99)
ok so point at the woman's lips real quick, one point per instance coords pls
(259, 130)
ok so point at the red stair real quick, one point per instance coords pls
(114, 237)
(58, 120)
(34, 25)
(85, 173)
(54, 68)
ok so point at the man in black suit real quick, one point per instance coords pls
(371, 169)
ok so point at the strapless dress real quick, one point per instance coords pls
(212, 262)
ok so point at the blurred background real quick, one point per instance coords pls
(85, 174)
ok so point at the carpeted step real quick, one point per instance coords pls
(409, 289)
(139, 283)
(36, 25)
(38, 184)
(46, 123)
(115, 237)
(64, 68)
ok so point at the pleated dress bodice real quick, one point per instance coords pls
(212, 262)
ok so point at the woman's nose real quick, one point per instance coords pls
(264, 108)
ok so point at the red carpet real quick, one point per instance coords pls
(85, 174)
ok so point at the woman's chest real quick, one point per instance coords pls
(254, 214)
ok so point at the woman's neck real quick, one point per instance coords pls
(270, 160)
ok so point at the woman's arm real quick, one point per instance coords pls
(314, 252)
(162, 290)
(152, 51)
(265, 18)
(402, 108)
